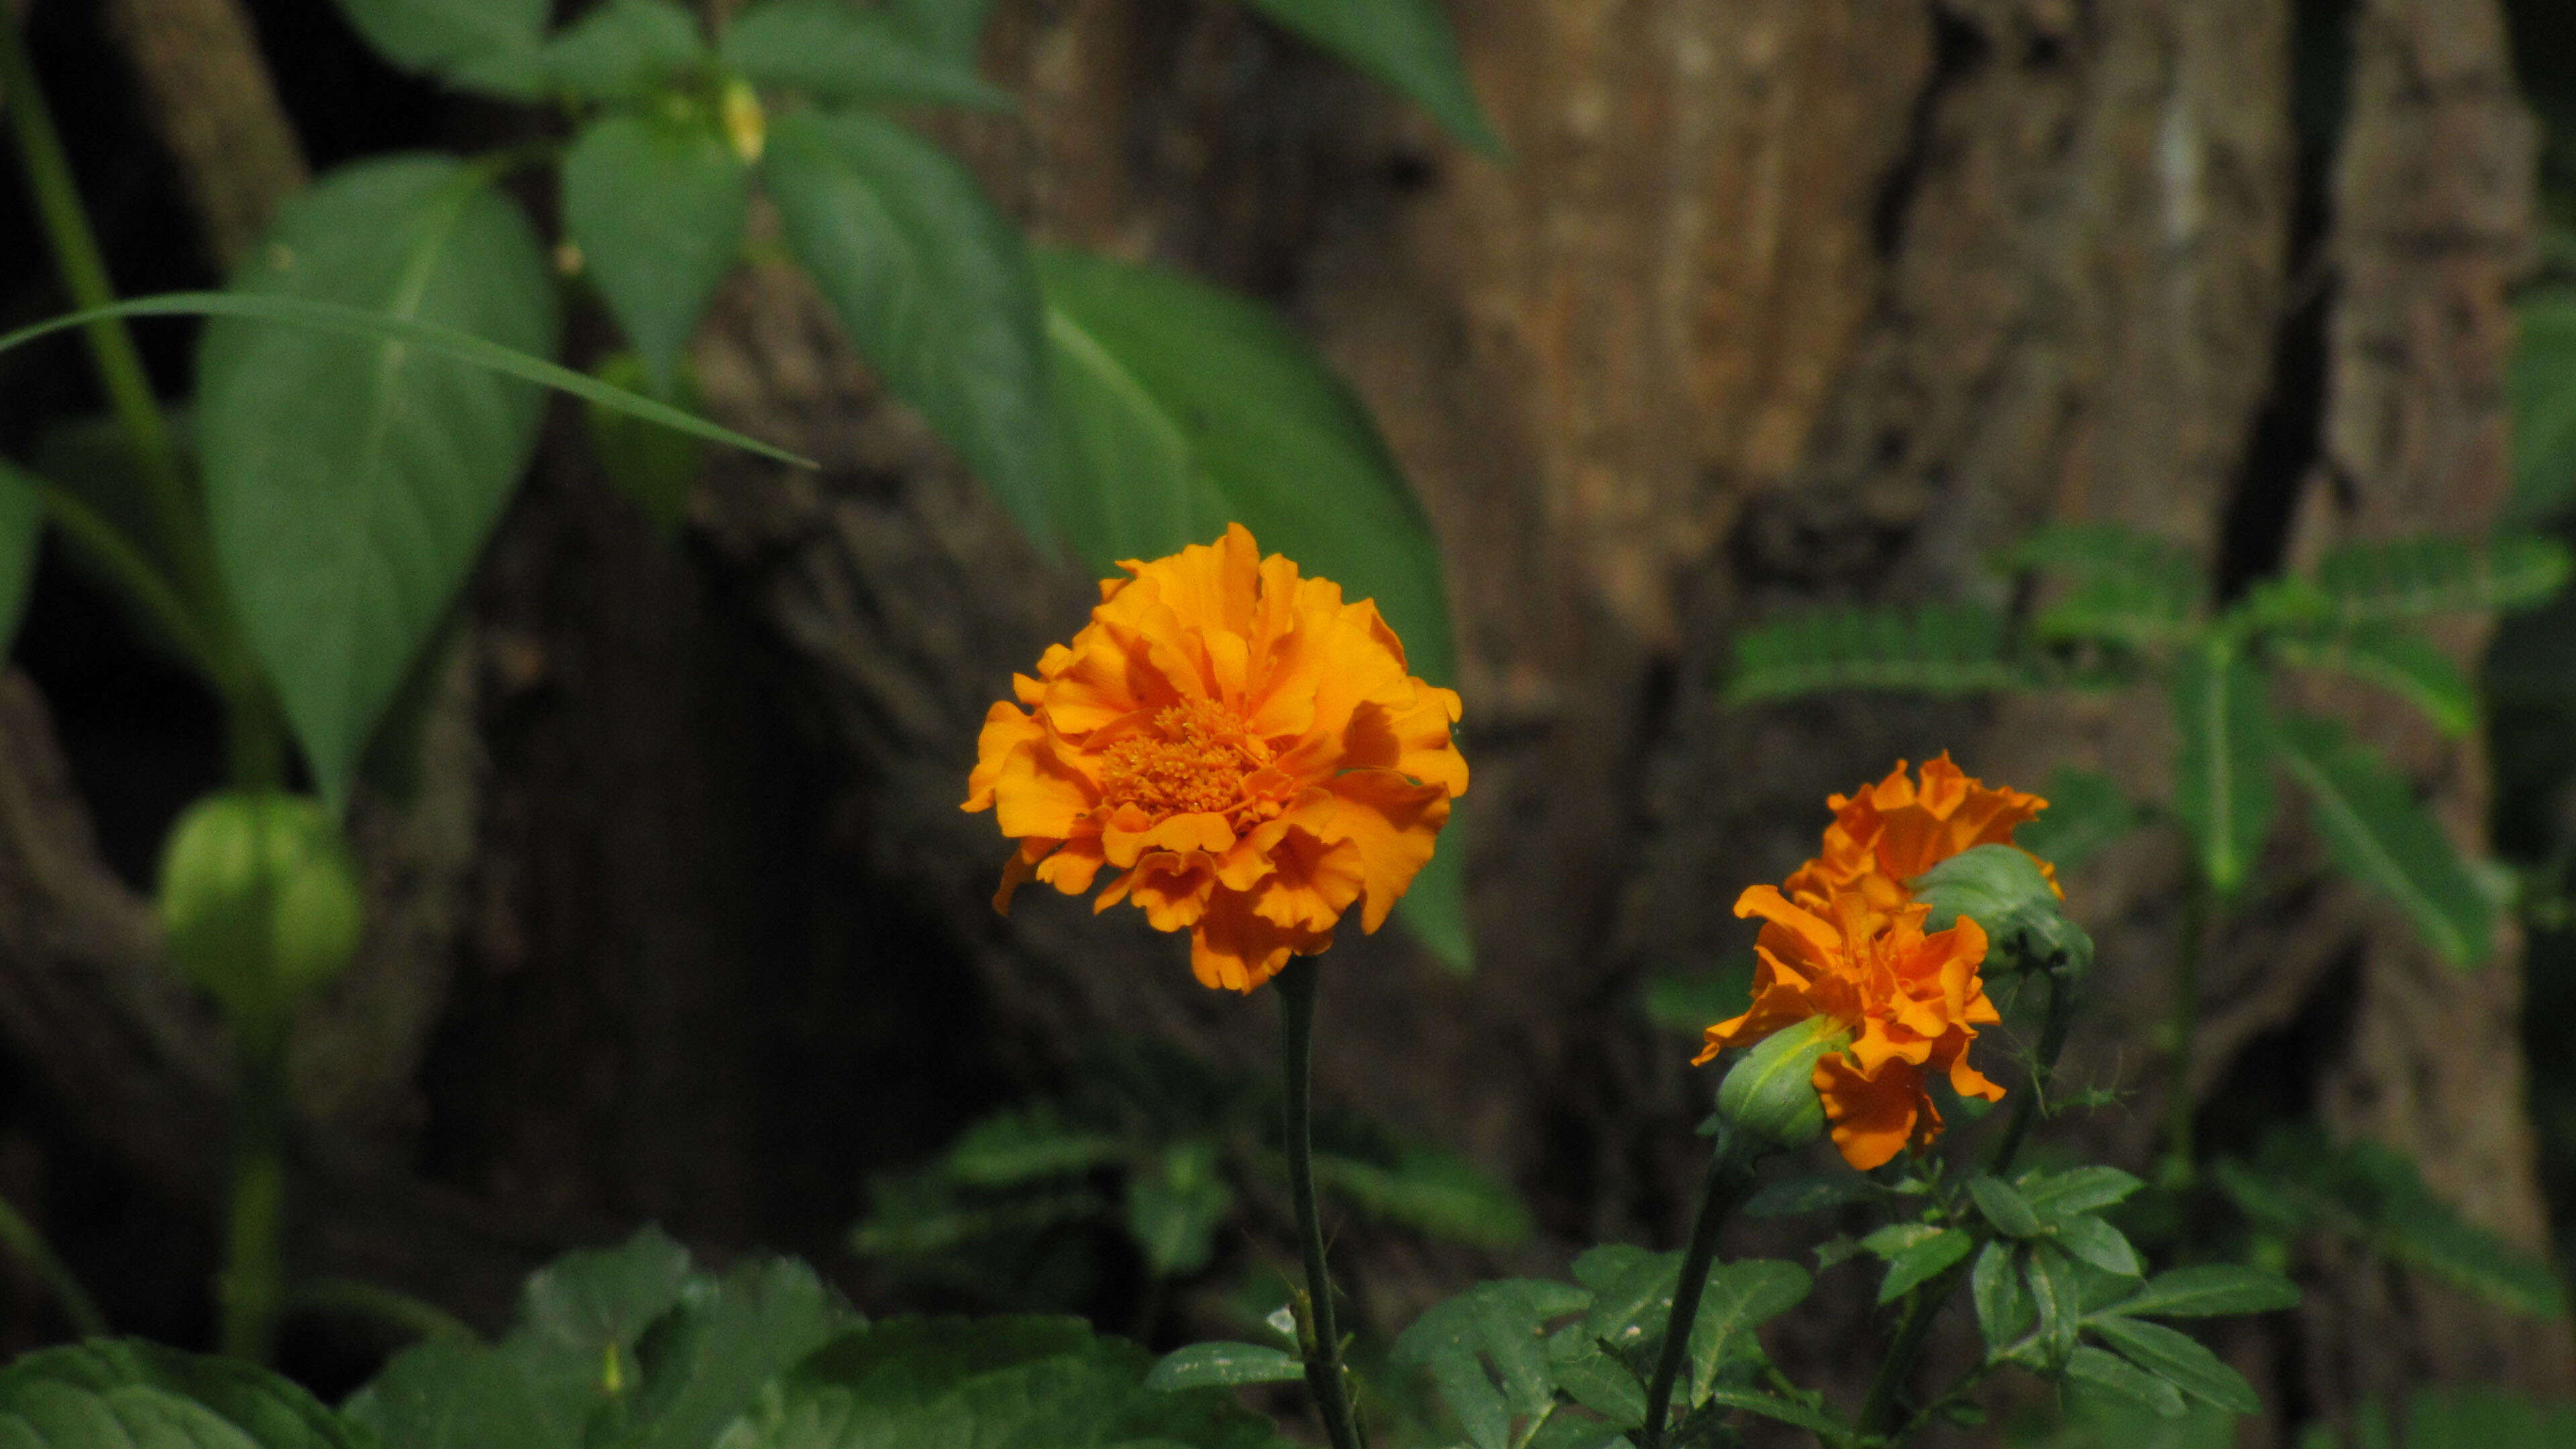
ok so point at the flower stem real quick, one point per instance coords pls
(415, 1316)
(78, 1307)
(1730, 1177)
(1322, 1341)
(2181, 1162)
(252, 1288)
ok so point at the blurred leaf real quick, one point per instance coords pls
(1405, 43)
(2005, 1313)
(932, 283)
(440, 35)
(1692, 1001)
(22, 526)
(2541, 386)
(350, 483)
(706, 1363)
(2089, 1239)
(2487, 1418)
(2398, 660)
(2415, 578)
(2003, 1207)
(2086, 812)
(620, 50)
(1812, 1193)
(1175, 1204)
(1224, 1365)
(2001, 889)
(657, 208)
(1939, 650)
(2382, 838)
(1181, 408)
(2207, 1290)
(2093, 1366)
(1771, 1406)
(123, 1393)
(1431, 1191)
(445, 1394)
(923, 1218)
(1740, 1297)
(2178, 1360)
(2126, 587)
(1500, 1324)
(1921, 1260)
(1596, 1379)
(1027, 1144)
(838, 53)
(2223, 769)
(2056, 1287)
(574, 1346)
(949, 27)
(2077, 1190)
(657, 469)
(1632, 1293)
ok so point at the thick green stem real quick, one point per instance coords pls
(2181, 1160)
(20, 1237)
(252, 1288)
(1323, 1343)
(1730, 1178)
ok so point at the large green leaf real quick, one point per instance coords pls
(2381, 837)
(2542, 388)
(351, 482)
(1938, 650)
(453, 1395)
(619, 51)
(1182, 408)
(707, 1362)
(439, 35)
(2178, 1360)
(1740, 1298)
(834, 51)
(1486, 1352)
(932, 283)
(1405, 43)
(2207, 1290)
(656, 206)
(121, 1393)
(2222, 769)
(22, 524)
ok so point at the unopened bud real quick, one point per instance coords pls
(745, 124)
(1770, 1094)
(260, 902)
(2003, 890)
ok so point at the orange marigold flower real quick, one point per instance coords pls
(1886, 834)
(1246, 750)
(1912, 1002)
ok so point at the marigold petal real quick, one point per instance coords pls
(1393, 823)
(1810, 935)
(1006, 731)
(1311, 883)
(1071, 869)
(1015, 873)
(1874, 1114)
(1237, 950)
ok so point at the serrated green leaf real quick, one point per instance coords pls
(1431, 1191)
(2222, 769)
(2089, 1239)
(445, 1394)
(657, 208)
(438, 35)
(1939, 650)
(705, 1364)
(836, 52)
(2132, 612)
(2005, 1312)
(2382, 838)
(1405, 43)
(350, 483)
(1224, 1365)
(2091, 1365)
(1771, 1406)
(22, 526)
(574, 1346)
(2077, 1190)
(2003, 1207)
(121, 1393)
(1808, 1193)
(1502, 1324)
(2541, 388)
(1739, 1299)
(2396, 659)
(1601, 1383)
(2086, 551)
(2416, 578)
(933, 284)
(619, 51)
(587, 1301)
(1632, 1293)
(1923, 1260)
(2086, 812)
(1175, 1204)
(2207, 1290)
(2180, 1361)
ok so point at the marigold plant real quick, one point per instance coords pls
(1886, 834)
(1248, 752)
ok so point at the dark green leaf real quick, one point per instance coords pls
(2000, 888)
(1501, 1324)
(22, 524)
(2134, 612)
(2397, 659)
(121, 1393)
(2541, 386)
(1432, 1191)
(2076, 1190)
(2091, 1365)
(2005, 1312)
(657, 208)
(439, 35)
(656, 468)
(1224, 1365)
(1692, 1001)
(1793, 1196)
(948, 27)
(704, 1365)
(1922, 1260)
(1771, 1406)
(350, 482)
(2477, 1417)
(453, 1395)
(1740, 1298)
(582, 1303)
(574, 1348)
(2056, 1286)
(1632, 1293)
(1025, 1145)
(620, 50)
(1175, 1204)
(1182, 408)
(2083, 552)
(2222, 771)
(2088, 1239)
(2086, 811)
(2178, 1360)
(2415, 578)
(2382, 838)
(932, 283)
(1405, 43)
(1939, 650)
(2211, 1289)
(2003, 1207)
(837, 52)
(1601, 1383)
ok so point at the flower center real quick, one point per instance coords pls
(1192, 759)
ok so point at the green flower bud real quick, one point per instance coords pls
(1770, 1094)
(2002, 890)
(260, 902)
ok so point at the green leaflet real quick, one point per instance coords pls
(1941, 650)
(2084, 552)
(2541, 386)
(933, 284)
(22, 526)
(350, 482)
(1486, 1353)
(2382, 838)
(440, 35)
(2398, 660)
(2207, 1291)
(1224, 1365)
(1429, 1189)
(2178, 1360)
(2415, 578)
(1740, 1297)
(834, 51)
(119, 1393)
(2222, 769)
(1405, 43)
(657, 208)
(619, 51)
(2093, 1366)
(1181, 408)
(1175, 1204)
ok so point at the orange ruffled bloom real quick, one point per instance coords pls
(1911, 1001)
(1886, 834)
(1246, 750)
